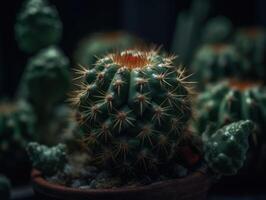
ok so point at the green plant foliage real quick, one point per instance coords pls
(48, 160)
(38, 25)
(225, 149)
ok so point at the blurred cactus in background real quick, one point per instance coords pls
(215, 62)
(230, 101)
(46, 79)
(5, 188)
(17, 122)
(38, 25)
(251, 43)
(225, 149)
(187, 34)
(99, 44)
(217, 30)
(44, 84)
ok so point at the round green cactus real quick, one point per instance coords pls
(48, 160)
(46, 79)
(17, 122)
(5, 188)
(133, 108)
(38, 25)
(217, 30)
(230, 101)
(225, 149)
(251, 43)
(217, 61)
(100, 44)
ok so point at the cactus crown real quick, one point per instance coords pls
(133, 108)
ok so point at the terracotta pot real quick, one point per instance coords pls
(193, 187)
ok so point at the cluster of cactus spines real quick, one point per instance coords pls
(133, 108)
(46, 79)
(49, 160)
(231, 101)
(5, 187)
(217, 30)
(17, 122)
(251, 43)
(101, 44)
(38, 25)
(225, 149)
(216, 61)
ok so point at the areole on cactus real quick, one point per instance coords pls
(134, 107)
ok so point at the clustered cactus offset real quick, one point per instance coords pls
(226, 148)
(133, 106)
(38, 25)
(48, 160)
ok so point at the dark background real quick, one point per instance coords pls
(152, 20)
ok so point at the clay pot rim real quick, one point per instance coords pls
(40, 183)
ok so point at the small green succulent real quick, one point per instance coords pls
(38, 25)
(226, 148)
(47, 160)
